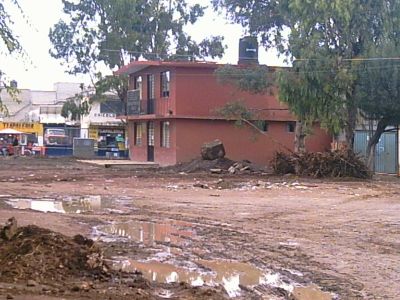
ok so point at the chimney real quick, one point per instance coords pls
(248, 51)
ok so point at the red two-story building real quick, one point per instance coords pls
(172, 113)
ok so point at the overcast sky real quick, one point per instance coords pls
(39, 71)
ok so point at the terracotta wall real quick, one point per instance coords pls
(163, 105)
(240, 143)
(162, 155)
(198, 93)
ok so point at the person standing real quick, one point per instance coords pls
(16, 146)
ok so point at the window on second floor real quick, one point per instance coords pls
(150, 86)
(165, 83)
(138, 85)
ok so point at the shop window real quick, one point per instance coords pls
(138, 128)
(262, 125)
(165, 83)
(165, 135)
(138, 85)
(291, 126)
(150, 86)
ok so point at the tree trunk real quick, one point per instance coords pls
(350, 125)
(300, 138)
(382, 124)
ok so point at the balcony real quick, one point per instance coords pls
(138, 107)
(158, 107)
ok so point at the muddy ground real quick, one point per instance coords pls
(251, 236)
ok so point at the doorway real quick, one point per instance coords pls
(150, 141)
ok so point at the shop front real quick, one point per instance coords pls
(33, 132)
(110, 141)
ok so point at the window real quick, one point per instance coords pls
(138, 85)
(138, 127)
(165, 82)
(150, 86)
(261, 125)
(291, 126)
(165, 135)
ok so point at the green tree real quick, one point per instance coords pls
(115, 32)
(8, 44)
(323, 37)
(8, 39)
(378, 94)
(77, 106)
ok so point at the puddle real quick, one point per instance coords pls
(150, 233)
(231, 275)
(237, 278)
(72, 205)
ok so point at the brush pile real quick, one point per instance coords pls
(339, 163)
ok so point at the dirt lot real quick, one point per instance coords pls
(241, 236)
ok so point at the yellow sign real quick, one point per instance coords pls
(93, 133)
(35, 128)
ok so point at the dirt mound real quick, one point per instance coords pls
(200, 165)
(340, 163)
(217, 166)
(34, 253)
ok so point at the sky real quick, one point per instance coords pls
(39, 71)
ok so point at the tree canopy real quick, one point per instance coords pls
(325, 41)
(115, 32)
(9, 44)
(8, 40)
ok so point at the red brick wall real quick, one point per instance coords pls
(198, 93)
(162, 156)
(240, 143)
(187, 137)
(163, 104)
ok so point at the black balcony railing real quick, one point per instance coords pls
(149, 107)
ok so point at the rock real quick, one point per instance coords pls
(9, 296)
(85, 286)
(216, 171)
(31, 283)
(201, 185)
(232, 170)
(213, 150)
(75, 288)
(10, 229)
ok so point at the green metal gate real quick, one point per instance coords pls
(386, 151)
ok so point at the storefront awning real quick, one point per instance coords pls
(10, 131)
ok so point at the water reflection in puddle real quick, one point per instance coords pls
(66, 205)
(232, 275)
(167, 268)
(150, 233)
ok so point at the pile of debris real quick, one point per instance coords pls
(39, 255)
(213, 160)
(201, 165)
(339, 163)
